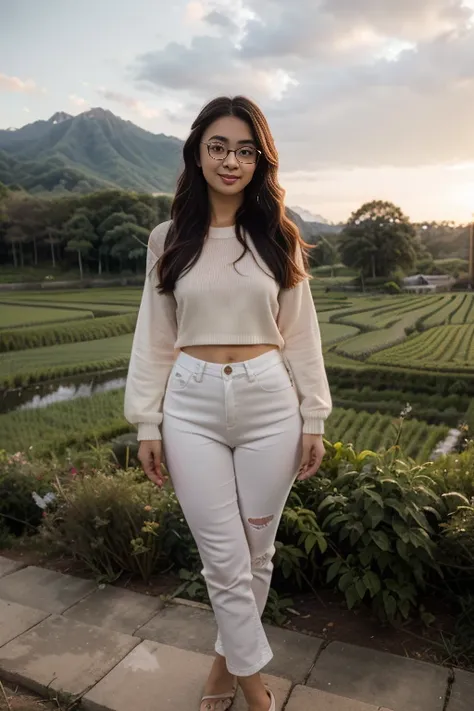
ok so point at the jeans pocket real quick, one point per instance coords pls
(274, 379)
(179, 379)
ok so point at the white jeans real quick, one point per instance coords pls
(232, 441)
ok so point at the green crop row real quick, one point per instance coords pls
(442, 348)
(101, 416)
(64, 424)
(19, 316)
(55, 334)
(375, 431)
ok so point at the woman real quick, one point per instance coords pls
(227, 360)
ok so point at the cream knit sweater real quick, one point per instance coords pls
(213, 304)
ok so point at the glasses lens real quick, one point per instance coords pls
(247, 154)
(216, 150)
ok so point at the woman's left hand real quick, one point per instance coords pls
(313, 453)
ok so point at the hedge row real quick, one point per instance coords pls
(55, 334)
(18, 380)
(384, 378)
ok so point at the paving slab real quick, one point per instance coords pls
(8, 566)
(294, 653)
(379, 678)
(462, 692)
(304, 699)
(115, 608)
(182, 626)
(64, 655)
(16, 619)
(194, 628)
(44, 589)
(155, 676)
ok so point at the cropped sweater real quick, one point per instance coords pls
(215, 303)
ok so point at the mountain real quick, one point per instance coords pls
(93, 150)
(308, 216)
(313, 226)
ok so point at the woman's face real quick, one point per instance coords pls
(228, 175)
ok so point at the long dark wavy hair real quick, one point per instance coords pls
(261, 215)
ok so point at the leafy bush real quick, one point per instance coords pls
(22, 479)
(453, 477)
(391, 287)
(377, 518)
(117, 523)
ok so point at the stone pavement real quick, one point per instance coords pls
(117, 650)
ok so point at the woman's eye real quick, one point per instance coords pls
(217, 148)
(246, 152)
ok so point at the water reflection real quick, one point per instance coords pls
(44, 394)
(71, 392)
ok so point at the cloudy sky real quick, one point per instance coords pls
(367, 99)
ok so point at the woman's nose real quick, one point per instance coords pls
(230, 160)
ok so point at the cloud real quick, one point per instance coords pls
(343, 82)
(139, 107)
(194, 12)
(78, 101)
(221, 20)
(24, 86)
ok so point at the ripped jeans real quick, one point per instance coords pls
(232, 441)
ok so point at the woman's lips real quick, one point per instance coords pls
(229, 179)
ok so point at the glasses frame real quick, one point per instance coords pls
(234, 151)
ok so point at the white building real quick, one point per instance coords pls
(426, 283)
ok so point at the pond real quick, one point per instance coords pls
(44, 394)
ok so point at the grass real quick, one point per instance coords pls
(33, 364)
(101, 416)
(64, 424)
(14, 316)
(54, 334)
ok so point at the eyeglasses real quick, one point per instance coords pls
(246, 154)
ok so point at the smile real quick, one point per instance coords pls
(228, 179)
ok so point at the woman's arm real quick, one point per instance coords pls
(153, 353)
(298, 324)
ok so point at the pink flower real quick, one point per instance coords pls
(44, 514)
(73, 471)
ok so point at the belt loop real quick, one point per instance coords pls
(249, 371)
(199, 372)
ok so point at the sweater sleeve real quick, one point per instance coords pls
(299, 327)
(153, 351)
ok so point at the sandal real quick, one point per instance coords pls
(272, 699)
(222, 702)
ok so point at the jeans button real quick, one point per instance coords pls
(227, 370)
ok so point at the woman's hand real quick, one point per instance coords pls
(313, 453)
(150, 455)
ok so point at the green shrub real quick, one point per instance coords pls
(391, 287)
(453, 477)
(20, 480)
(377, 516)
(16, 339)
(117, 523)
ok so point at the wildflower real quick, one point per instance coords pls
(147, 508)
(73, 471)
(42, 502)
(44, 514)
(406, 410)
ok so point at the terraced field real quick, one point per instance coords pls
(444, 348)
(45, 336)
(16, 316)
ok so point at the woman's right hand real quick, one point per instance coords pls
(150, 456)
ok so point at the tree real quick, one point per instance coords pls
(377, 239)
(127, 241)
(80, 236)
